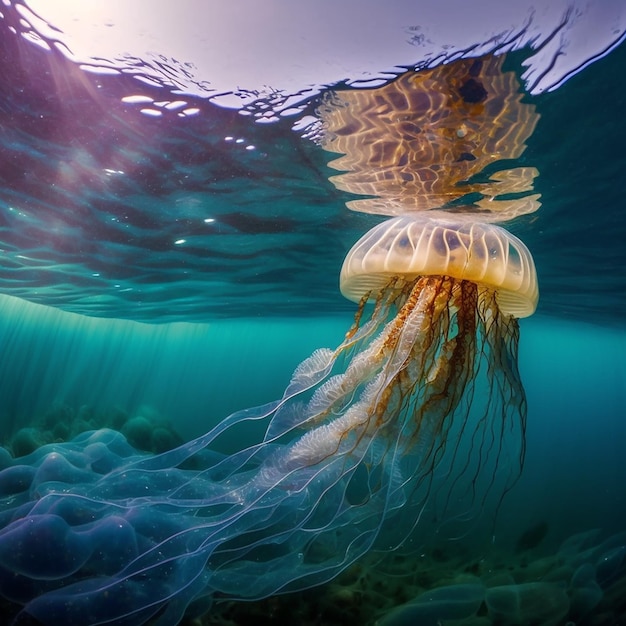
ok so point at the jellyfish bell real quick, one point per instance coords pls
(478, 252)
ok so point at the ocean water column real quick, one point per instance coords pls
(420, 403)
(94, 532)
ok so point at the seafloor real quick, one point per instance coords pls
(581, 582)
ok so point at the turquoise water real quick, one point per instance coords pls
(157, 274)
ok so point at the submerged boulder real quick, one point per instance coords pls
(430, 608)
(542, 604)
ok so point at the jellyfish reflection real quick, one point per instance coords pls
(435, 138)
(94, 533)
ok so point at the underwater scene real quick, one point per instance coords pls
(312, 313)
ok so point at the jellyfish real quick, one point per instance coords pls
(94, 532)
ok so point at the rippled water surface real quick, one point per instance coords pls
(115, 206)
